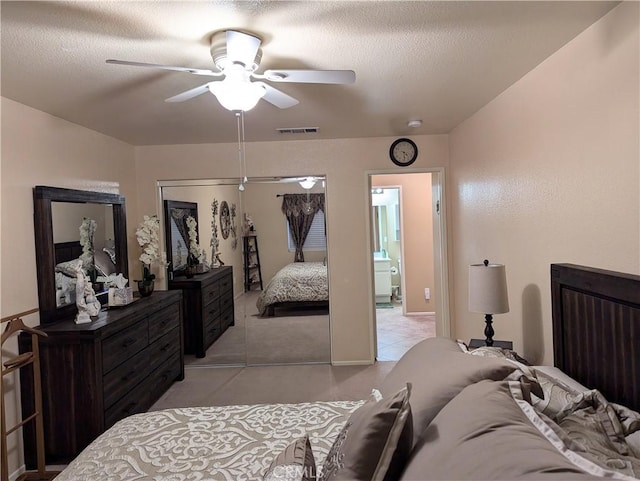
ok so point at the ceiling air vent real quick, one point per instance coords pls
(298, 130)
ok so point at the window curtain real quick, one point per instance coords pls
(300, 210)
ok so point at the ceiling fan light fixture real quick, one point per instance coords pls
(308, 183)
(234, 95)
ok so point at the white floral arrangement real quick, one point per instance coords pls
(148, 237)
(87, 232)
(196, 253)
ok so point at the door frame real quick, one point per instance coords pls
(440, 235)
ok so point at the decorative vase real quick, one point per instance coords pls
(190, 271)
(145, 289)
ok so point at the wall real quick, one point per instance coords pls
(344, 162)
(417, 233)
(549, 172)
(39, 149)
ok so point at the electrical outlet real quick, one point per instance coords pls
(427, 293)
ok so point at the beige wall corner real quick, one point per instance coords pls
(549, 172)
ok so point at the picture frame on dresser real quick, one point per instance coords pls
(176, 233)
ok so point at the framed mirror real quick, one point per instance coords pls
(176, 233)
(63, 221)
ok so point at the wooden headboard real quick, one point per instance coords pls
(596, 329)
(67, 251)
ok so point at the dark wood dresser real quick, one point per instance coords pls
(98, 373)
(208, 307)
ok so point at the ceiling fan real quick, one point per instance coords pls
(237, 56)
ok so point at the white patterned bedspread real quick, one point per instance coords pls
(296, 282)
(223, 443)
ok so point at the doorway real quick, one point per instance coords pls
(406, 227)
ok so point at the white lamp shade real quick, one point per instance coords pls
(488, 289)
(237, 95)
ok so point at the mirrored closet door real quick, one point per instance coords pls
(280, 306)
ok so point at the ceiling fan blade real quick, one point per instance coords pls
(242, 47)
(277, 97)
(195, 71)
(310, 76)
(189, 94)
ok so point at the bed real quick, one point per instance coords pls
(65, 255)
(297, 285)
(486, 416)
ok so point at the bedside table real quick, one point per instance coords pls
(475, 343)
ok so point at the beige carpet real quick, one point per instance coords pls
(290, 337)
(303, 336)
(222, 386)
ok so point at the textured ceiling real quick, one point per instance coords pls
(435, 61)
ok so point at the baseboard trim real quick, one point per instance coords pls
(363, 362)
(420, 314)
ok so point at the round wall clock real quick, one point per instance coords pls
(403, 152)
(225, 219)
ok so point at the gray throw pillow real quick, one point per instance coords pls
(374, 444)
(438, 370)
(295, 463)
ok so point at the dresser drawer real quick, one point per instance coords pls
(210, 293)
(164, 347)
(164, 321)
(124, 378)
(211, 313)
(212, 332)
(121, 346)
(163, 377)
(136, 402)
(226, 319)
(226, 300)
(226, 284)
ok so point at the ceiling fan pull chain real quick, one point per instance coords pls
(241, 186)
(244, 157)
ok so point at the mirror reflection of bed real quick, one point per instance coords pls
(289, 331)
(67, 218)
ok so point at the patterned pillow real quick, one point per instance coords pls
(375, 443)
(295, 463)
(68, 268)
(557, 395)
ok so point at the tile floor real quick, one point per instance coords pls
(397, 333)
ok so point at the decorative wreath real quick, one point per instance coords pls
(225, 219)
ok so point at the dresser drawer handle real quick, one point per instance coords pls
(129, 407)
(165, 347)
(128, 376)
(128, 342)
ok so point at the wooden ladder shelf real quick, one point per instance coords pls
(15, 325)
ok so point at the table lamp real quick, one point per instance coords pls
(488, 293)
